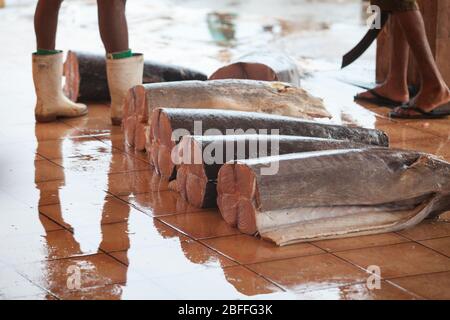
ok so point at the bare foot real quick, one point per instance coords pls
(427, 100)
(389, 91)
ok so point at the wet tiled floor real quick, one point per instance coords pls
(84, 217)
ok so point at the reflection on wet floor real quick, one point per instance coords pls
(221, 26)
(76, 201)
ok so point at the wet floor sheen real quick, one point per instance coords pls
(82, 216)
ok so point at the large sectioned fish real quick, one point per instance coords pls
(333, 194)
(167, 121)
(201, 157)
(242, 95)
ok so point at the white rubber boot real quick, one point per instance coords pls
(123, 74)
(51, 101)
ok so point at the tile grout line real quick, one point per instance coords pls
(354, 264)
(427, 239)
(121, 151)
(132, 154)
(175, 229)
(405, 290)
(88, 174)
(369, 247)
(246, 266)
(72, 232)
(424, 246)
(357, 283)
(39, 286)
(200, 242)
(141, 210)
(417, 275)
(380, 277)
(389, 278)
(279, 286)
(323, 252)
(435, 251)
(30, 281)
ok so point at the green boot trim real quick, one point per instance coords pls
(44, 52)
(120, 55)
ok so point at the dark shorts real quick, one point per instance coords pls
(395, 5)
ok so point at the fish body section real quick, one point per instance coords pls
(266, 66)
(86, 78)
(332, 194)
(201, 157)
(169, 125)
(241, 95)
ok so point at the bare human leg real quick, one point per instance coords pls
(113, 25)
(434, 91)
(395, 87)
(124, 69)
(46, 22)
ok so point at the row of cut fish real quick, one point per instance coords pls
(306, 180)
